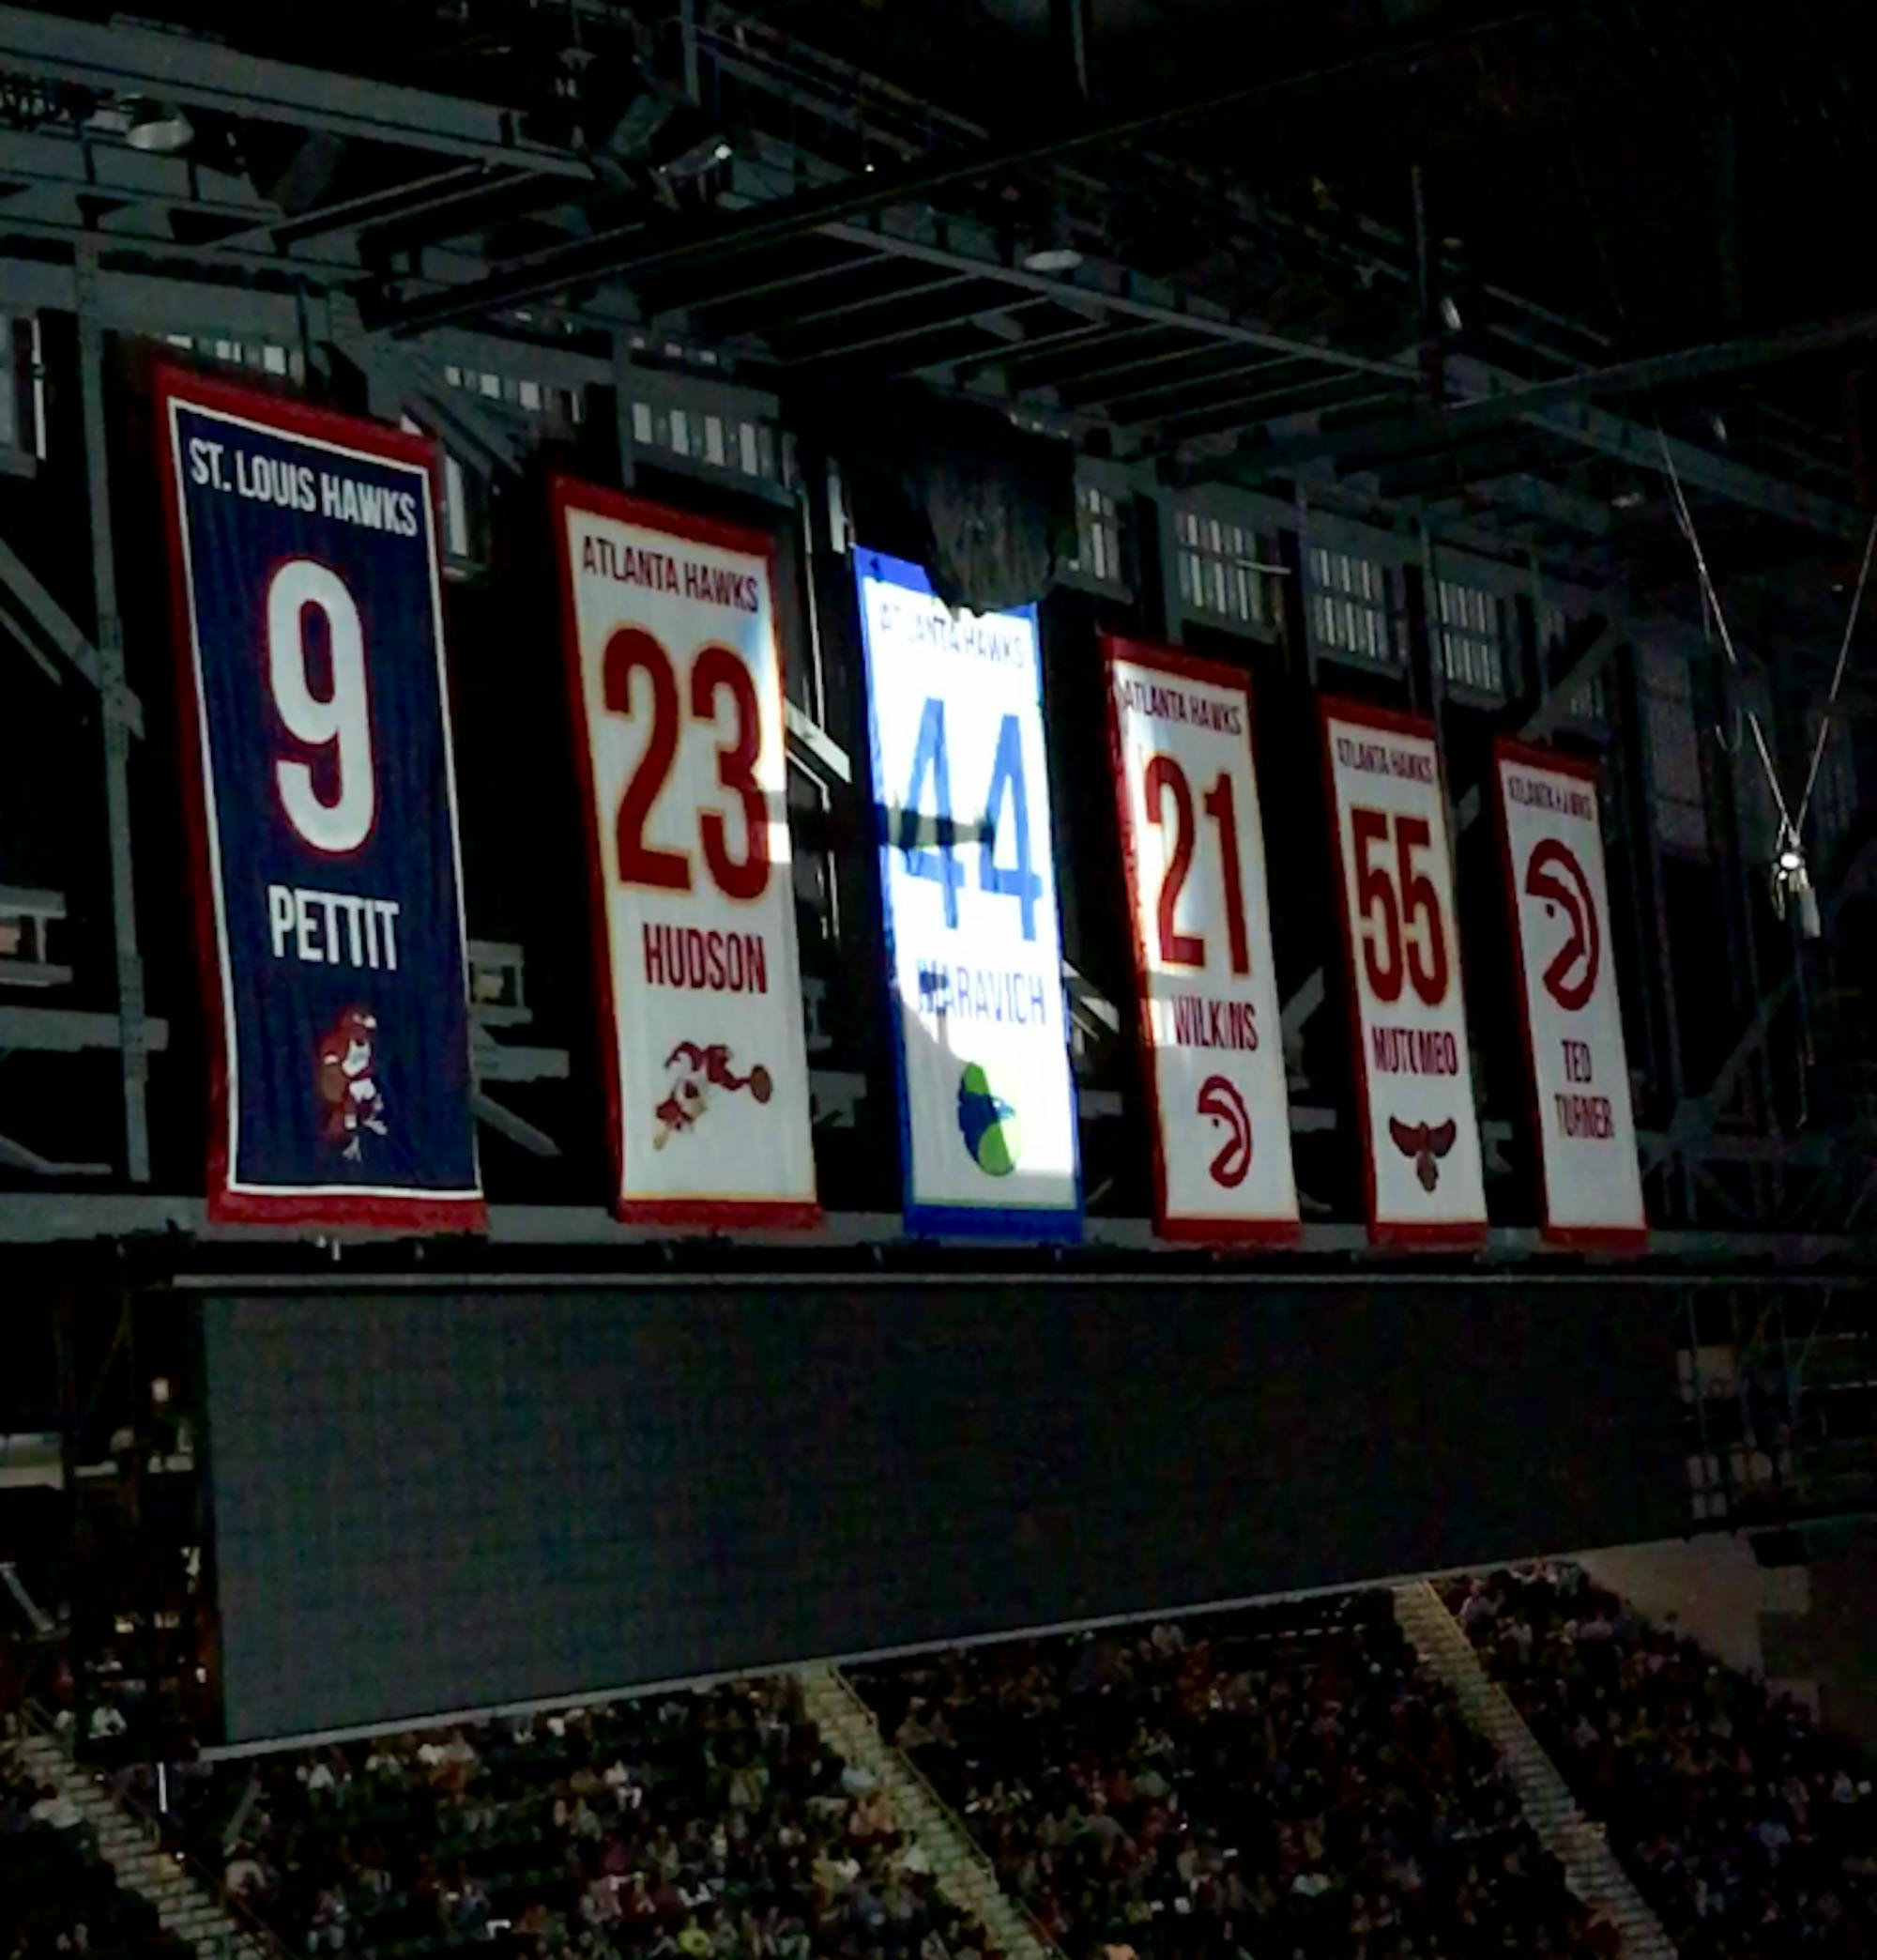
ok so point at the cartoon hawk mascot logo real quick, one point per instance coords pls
(349, 1095)
(692, 1070)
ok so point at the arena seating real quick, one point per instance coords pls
(1267, 1783)
(56, 1896)
(704, 1824)
(1753, 1835)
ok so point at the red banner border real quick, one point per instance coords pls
(1434, 1233)
(567, 494)
(1507, 748)
(1188, 1229)
(424, 1212)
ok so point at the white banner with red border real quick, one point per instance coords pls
(675, 675)
(1192, 845)
(1558, 900)
(1414, 1065)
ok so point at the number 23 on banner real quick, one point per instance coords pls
(1187, 802)
(715, 670)
(677, 685)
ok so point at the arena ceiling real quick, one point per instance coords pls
(1498, 263)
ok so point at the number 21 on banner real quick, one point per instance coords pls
(1164, 779)
(940, 861)
(1186, 797)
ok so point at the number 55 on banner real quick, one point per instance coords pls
(1414, 1065)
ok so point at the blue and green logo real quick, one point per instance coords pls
(987, 1123)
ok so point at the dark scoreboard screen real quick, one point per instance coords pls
(443, 1499)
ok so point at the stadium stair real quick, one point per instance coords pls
(185, 1904)
(1592, 1868)
(963, 1873)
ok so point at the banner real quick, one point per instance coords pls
(674, 677)
(1558, 904)
(1193, 844)
(974, 948)
(1413, 1068)
(310, 626)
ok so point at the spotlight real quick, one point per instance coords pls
(1792, 887)
(1450, 315)
(156, 127)
(696, 157)
(1055, 251)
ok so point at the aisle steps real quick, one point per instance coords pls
(963, 1873)
(184, 1906)
(1593, 1868)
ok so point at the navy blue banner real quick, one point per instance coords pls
(331, 923)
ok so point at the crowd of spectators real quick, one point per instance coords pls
(704, 1825)
(1752, 1833)
(58, 1896)
(1242, 1785)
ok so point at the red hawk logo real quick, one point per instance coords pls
(1427, 1144)
(348, 1082)
(1219, 1099)
(695, 1070)
(1554, 875)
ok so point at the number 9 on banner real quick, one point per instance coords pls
(339, 722)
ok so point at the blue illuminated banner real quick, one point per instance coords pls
(967, 873)
(318, 766)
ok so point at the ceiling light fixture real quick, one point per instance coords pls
(1055, 251)
(156, 127)
(696, 157)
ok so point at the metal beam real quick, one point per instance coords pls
(918, 289)
(1560, 409)
(425, 192)
(65, 638)
(16, 1155)
(1214, 419)
(1695, 1116)
(126, 957)
(667, 306)
(1549, 712)
(923, 329)
(1125, 370)
(1505, 402)
(1524, 495)
(517, 1129)
(120, 59)
(1677, 1258)
(638, 252)
(70, 1031)
(1701, 469)
(1116, 292)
